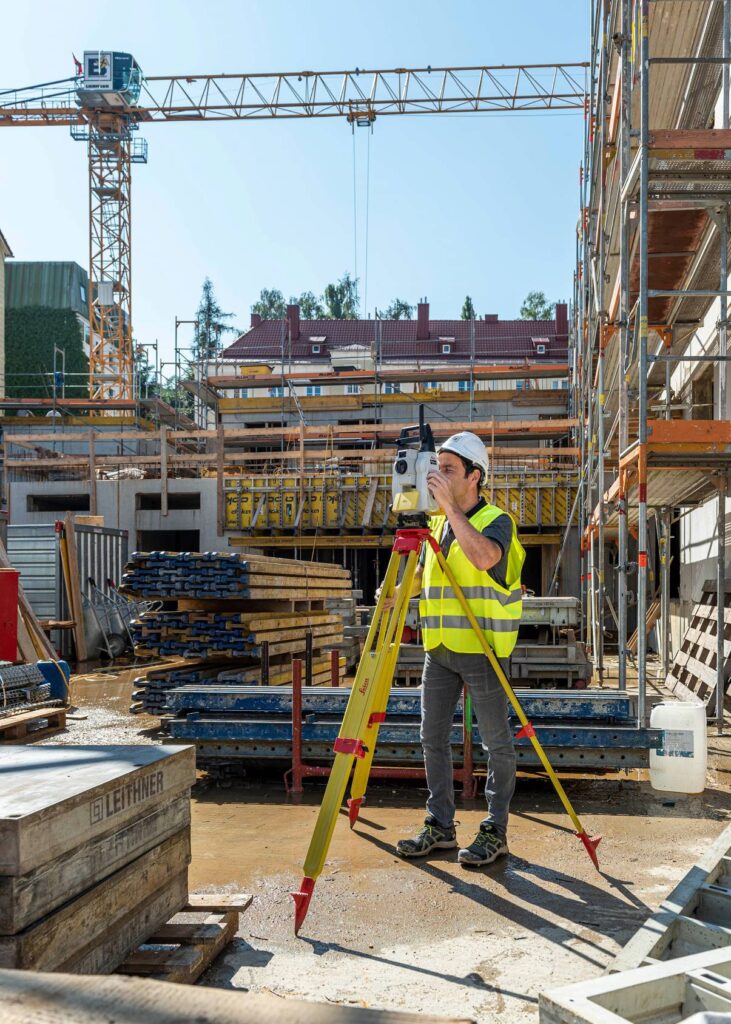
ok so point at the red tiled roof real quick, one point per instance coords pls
(494, 339)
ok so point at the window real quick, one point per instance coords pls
(446, 347)
(540, 350)
(277, 392)
(352, 389)
(82, 291)
(315, 350)
(149, 501)
(57, 503)
(392, 388)
(313, 389)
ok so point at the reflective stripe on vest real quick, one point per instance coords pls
(496, 608)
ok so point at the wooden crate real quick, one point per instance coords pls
(26, 898)
(54, 799)
(95, 931)
(32, 725)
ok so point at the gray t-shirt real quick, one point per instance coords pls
(500, 530)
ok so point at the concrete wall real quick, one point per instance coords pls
(117, 500)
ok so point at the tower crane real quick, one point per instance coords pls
(108, 99)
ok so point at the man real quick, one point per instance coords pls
(480, 543)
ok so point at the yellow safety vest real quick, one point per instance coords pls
(496, 608)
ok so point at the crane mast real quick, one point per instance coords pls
(109, 99)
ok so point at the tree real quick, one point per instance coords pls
(145, 376)
(310, 305)
(399, 309)
(537, 307)
(210, 325)
(271, 304)
(342, 300)
(468, 309)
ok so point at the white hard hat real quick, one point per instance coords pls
(470, 447)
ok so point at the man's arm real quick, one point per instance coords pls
(481, 551)
(415, 589)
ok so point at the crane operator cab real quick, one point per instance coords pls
(109, 80)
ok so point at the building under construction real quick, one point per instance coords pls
(221, 566)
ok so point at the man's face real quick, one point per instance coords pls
(463, 484)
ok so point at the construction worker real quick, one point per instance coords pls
(481, 546)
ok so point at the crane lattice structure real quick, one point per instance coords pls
(109, 100)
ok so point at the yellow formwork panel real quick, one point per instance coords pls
(361, 501)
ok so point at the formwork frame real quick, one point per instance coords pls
(668, 172)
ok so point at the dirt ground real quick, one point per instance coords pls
(429, 936)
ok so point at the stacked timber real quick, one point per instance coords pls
(94, 852)
(191, 634)
(213, 575)
(238, 619)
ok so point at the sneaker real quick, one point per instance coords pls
(489, 844)
(431, 837)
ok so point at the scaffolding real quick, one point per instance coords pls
(652, 259)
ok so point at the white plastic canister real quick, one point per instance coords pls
(679, 766)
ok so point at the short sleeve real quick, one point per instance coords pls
(500, 531)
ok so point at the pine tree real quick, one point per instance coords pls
(210, 325)
(468, 309)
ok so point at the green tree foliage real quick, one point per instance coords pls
(210, 325)
(271, 304)
(311, 307)
(146, 380)
(537, 307)
(468, 309)
(30, 334)
(342, 300)
(399, 309)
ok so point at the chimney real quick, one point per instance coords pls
(491, 317)
(293, 315)
(562, 320)
(255, 319)
(422, 321)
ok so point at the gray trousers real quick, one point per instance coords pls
(445, 673)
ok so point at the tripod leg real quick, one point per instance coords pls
(363, 767)
(590, 844)
(351, 743)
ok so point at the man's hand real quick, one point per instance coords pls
(388, 602)
(441, 488)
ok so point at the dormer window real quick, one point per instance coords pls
(446, 344)
(541, 345)
(318, 344)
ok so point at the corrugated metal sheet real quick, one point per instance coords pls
(33, 550)
(102, 553)
(56, 285)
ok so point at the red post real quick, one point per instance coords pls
(297, 726)
(9, 614)
(335, 668)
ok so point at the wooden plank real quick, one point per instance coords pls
(27, 725)
(218, 903)
(26, 650)
(653, 614)
(92, 473)
(186, 963)
(183, 934)
(26, 898)
(54, 798)
(163, 471)
(82, 931)
(31, 998)
(73, 588)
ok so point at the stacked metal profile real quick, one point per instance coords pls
(240, 619)
(22, 686)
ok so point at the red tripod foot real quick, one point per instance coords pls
(354, 805)
(590, 845)
(302, 902)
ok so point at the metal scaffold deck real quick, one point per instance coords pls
(649, 329)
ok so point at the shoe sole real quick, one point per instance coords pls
(482, 863)
(445, 845)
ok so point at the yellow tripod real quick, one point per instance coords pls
(366, 709)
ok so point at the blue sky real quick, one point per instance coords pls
(485, 205)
